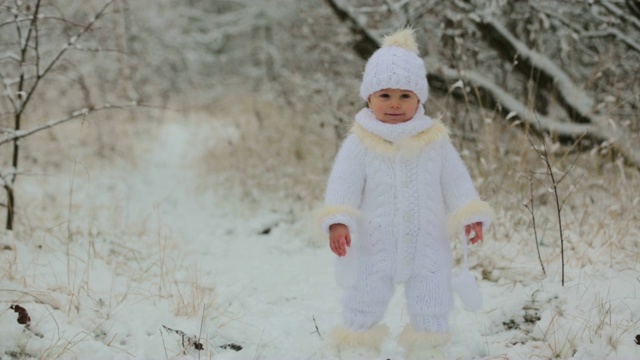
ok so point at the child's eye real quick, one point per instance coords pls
(406, 96)
(385, 95)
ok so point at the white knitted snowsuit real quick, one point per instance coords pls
(401, 189)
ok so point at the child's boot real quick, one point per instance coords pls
(423, 345)
(351, 344)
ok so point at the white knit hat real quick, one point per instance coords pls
(396, 65)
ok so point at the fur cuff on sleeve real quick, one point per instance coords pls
(475, 211)
(337, 214)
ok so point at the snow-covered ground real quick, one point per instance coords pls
(141, 249)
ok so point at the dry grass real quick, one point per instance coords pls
(263, 153)
(602, 239)
(192, 298)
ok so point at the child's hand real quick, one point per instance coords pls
(339, 239)
(477, 232)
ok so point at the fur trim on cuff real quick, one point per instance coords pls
(423, 345)
(343, 339)
(411, 146)
(335, 214)
(474, 211)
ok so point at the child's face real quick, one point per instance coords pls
(394, 106)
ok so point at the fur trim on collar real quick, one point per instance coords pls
(410, 146)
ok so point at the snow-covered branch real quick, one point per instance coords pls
(508, 102)
(575, 98)
(70, 44)
(16, 135)
(616, 34)
(619, 13)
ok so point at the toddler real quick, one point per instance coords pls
(396, 193)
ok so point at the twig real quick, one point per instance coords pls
(255, 355)
(558, 207)
(71, 42)
(544, 155)
(234, 347)
(201, 324)
(533, 219)
(76, 114)
(190, 340)
(317, 330)
(163, 344)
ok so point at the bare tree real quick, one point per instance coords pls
(30, 55)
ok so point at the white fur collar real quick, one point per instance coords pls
(394, 132)
(409, 137)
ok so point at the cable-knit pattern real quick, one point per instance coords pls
(429, 301)
(409, 218)
(405, 179)
(433, 252)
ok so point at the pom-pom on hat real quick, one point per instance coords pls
(396, 65)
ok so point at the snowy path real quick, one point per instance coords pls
(269, 288)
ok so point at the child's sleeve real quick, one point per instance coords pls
(344, 187)
(462, 202)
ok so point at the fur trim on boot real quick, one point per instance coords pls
(423, 345)
(350, 344)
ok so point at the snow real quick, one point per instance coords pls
(143, 249)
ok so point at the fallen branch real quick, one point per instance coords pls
(317, 330)
(187, 341)
(232, 346)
